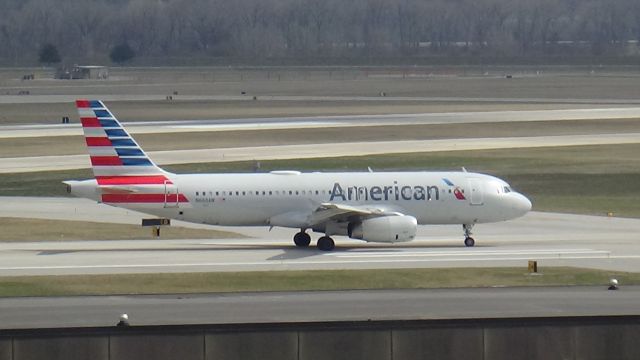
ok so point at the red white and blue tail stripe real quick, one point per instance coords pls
(123, 171)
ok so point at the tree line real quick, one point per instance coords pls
(313, 30)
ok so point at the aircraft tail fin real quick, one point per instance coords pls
(116, 158)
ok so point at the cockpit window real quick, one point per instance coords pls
(507, 189)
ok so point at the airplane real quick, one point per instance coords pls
(372, 206)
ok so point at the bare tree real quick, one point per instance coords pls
(312, 29)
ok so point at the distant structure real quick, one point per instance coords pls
(83, 72)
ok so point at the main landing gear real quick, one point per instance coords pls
(302, 239)
(468, 240)
(325, 243)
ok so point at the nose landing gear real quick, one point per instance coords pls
(468, 240)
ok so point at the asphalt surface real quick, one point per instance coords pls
(318, 306)
(551, 239)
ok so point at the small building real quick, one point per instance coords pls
(83, 72)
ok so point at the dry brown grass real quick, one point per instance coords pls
(21, 229)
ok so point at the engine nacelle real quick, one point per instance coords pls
(384, 229)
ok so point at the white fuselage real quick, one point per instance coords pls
(274, 199)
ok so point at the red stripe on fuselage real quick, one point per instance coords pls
(82, 103)
(133, 180)
(144, 198)
(105, 160)
(98, 141)
(90, 122)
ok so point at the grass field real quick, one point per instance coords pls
(21, 229)
(581, 179)
(217, 282)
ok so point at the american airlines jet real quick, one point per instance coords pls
(382, 207)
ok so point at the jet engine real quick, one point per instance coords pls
(384, 229)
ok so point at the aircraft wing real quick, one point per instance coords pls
(341, 212)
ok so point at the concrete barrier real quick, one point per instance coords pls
(131, 346)
(61, 347)
(6, 351)
(522, 338)
(345, 344)
(606, 341)
(265, 345)
(529, 342)
(438, 343)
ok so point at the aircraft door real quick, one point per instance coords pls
(475, 188)
(170, 195)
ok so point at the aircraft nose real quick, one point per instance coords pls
(521, 205)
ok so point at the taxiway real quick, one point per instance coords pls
(83, 311)
(552, 239)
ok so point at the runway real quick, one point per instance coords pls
(551, 239)
(156, 127)
(309, 151)
(318, 306)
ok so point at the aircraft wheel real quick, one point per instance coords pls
(469, 242)
(302, 239)
(326, 243)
